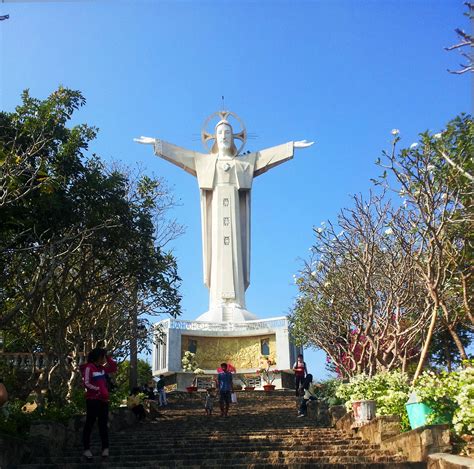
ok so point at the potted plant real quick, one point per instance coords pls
(247, 383)
(268, 373)
(189, 364)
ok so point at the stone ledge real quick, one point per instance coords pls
(418, 444)
(345, 423)
(381, 428)
(449, 461)
(49, 439)
(415, 445)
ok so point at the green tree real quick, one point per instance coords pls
(82, 255)
(122, 377)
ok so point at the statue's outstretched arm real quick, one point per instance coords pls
(179, 156)
(271, 157)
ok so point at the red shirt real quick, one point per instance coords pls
(94, 380)
(299, 368)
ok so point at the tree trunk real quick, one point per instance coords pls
(426, 345)
(452, 332)
(134, 344)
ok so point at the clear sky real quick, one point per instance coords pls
(342, 73)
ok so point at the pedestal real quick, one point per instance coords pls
(240, 343)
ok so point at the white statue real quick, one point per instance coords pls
(225, 179)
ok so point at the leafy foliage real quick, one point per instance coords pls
(82, 246)
(390, 391)
(393, 274)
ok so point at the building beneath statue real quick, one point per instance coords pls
(241, 344)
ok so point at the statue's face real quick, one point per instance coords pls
(224, 137)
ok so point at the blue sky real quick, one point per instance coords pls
(342, 73)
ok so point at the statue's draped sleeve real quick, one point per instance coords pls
(271, 157)
(185, 159)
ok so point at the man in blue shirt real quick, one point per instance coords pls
(224, 381)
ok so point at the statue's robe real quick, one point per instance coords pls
(225, 185)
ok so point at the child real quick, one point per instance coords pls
(209, 401)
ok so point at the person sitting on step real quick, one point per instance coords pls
(309, 394)
(135, 403)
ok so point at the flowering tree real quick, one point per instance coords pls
(465, 44)
(434, 179)
(359, 296)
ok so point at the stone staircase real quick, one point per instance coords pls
(261, 431)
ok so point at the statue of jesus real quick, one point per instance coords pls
(225, 179)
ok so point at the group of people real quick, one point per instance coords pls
(100, 364)
(144, 400)
(225, 388)
(304, 386)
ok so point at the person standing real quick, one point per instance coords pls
(208, 401)
(94, 373)
(226, 387)
(160, 387)
(301, 371)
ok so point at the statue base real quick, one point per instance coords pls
(227, 313)
(241, 344)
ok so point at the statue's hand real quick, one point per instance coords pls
(145, 140)
(302, 144)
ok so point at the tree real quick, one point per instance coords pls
(122, 377)
(359, 298)
(81, 252)
(434, 180)
(465, 41)
(398, 274)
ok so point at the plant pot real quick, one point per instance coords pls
(364, 411)
(249, 388)
(268, 387)
(191, 389)
(418, 413)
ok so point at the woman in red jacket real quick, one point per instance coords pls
(94, 375)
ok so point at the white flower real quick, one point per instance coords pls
(430, 167)
(437, 136)
(402, 192)
(395, 132)
(319, 230)
(313, 273)
(340, 234)
(413, 146)
(388, 231)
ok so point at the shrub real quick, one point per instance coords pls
(450, 396)
(389, 390)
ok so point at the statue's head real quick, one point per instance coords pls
(224, 142)
(223, 136)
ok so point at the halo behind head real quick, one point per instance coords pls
(223, 117)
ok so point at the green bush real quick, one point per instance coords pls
(390, 391)
(327, 392)
(450, 396)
